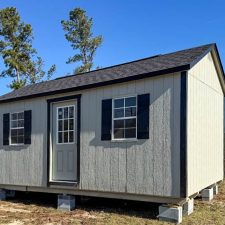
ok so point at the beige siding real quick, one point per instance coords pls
(205, 126)
(148, 167)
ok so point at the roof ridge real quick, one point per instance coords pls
(146, 67)
(109, 67)
(133, 61)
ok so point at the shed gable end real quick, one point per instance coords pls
(206, 71)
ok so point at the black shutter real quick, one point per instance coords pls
(106, 119)
(27, 126)
(6, 129)
(143, 116)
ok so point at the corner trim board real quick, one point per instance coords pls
(49, 101)
(183, 135)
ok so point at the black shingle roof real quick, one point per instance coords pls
(152, 66)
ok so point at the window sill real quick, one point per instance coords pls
(17, 145)
(125, 140)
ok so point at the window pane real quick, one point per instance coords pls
(21, 116)
(14, 124)
(130, 111)
(130, 101)
(118, 103)
(60, 113)
(71, 136)
(20, 123)
(118, 123)
(118, 113)
(65, 137)
(60, 137)
(65, 112)
(20, 132)
(14, 116)
(71, 112)
(130, 123)
(60, 125)
(71, 124)
(20, 140)
(65, 125)
(118, 133)
(13, 140)
(130, 133)
(14, 132)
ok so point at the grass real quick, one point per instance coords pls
(36, 209)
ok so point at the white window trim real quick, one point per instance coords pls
(123, 118)
(57, 120)
(15, 128)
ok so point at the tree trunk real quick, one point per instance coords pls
(18, 76)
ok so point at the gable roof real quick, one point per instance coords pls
(148, 67)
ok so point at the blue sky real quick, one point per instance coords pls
(131, 29)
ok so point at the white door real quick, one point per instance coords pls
(64, 142)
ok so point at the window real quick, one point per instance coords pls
(17, 128)
(125, 118)
(65, 124)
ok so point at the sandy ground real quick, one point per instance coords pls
(40, 209)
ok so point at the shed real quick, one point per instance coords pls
(148, 130)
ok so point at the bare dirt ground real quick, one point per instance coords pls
(40, 209)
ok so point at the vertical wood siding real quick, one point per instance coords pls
(148, 167)
(204, 126)
(25, 165)
(145, 166)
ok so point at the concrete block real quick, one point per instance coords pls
(2, 194)
(66, 202)
(215, 189)
(170, 213)
(188, 207)
(207, 194)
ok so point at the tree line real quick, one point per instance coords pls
(21, 60)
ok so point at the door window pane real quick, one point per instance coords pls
(71, 124)
(65, 137)
(60, 137)
(60, 125)
(65, 125)
(65, 112)
(71, 136)
(71, 112)
(65, 122)
(60, 113)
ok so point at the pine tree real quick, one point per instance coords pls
(79, 34)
